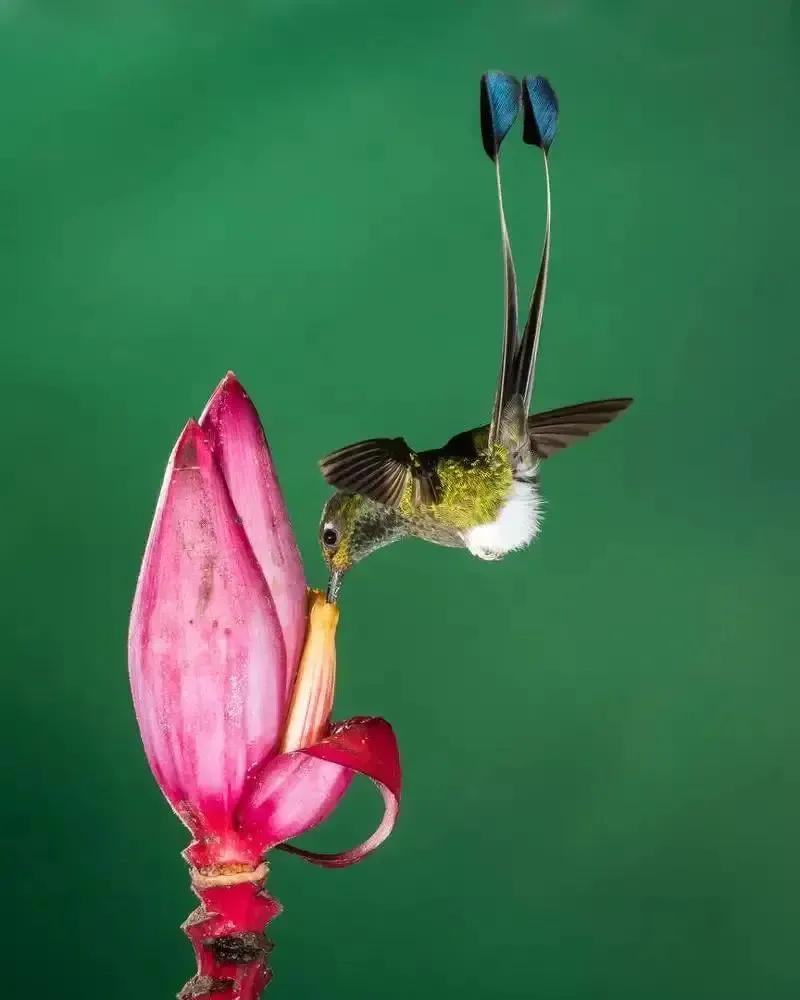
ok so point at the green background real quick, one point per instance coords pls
(600, 737)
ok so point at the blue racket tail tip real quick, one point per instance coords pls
(500, 101)
(540, 112)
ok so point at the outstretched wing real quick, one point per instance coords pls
(548, 432)
(556, 429)
(381, 469)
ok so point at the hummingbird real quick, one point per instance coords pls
(480, 491)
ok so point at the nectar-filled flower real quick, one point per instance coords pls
(232, 667)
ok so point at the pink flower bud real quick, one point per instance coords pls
(233, 698)
(206, 653)
(232, 669)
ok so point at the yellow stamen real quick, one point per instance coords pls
(312, 697)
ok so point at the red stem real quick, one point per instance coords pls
(227, 930)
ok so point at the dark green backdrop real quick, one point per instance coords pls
(599, 735)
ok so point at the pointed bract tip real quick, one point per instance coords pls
(232, 384)
(191, 447)
(540, 112)
(230, 388)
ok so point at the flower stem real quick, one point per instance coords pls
(227, 932)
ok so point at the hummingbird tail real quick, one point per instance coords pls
(499, 106)
(540, 119)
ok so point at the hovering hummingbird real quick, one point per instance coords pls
(480, 491)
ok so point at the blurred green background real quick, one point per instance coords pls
(600, 736)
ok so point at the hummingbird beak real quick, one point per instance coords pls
(334, 583)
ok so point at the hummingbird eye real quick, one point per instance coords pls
(330, 536)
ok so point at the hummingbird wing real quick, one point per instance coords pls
(381, 469)
(556, 429)
(499, 106)
(548, 432)
(540, 118)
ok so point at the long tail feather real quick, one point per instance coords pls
(540, 119)
(499, 106)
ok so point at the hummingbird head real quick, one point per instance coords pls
(351, 528)
(336, 532)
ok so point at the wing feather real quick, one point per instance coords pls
(381, 469)
(556, 429)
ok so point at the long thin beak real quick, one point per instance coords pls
(334, 583)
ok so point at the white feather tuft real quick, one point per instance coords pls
(515, 526)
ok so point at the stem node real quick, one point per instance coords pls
(227, 931)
